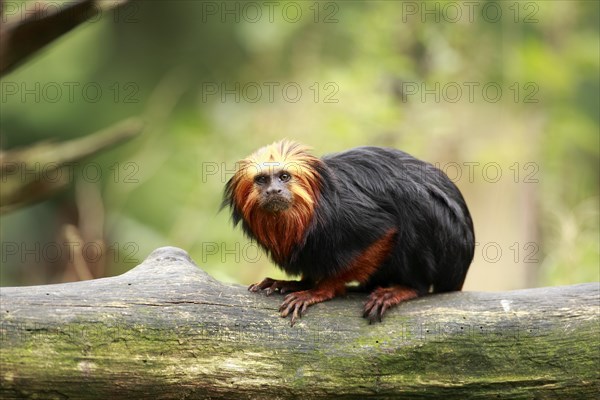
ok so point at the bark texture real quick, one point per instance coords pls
(166, 329)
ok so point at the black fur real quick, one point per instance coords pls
(367, 191)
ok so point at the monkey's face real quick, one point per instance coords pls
(274, 192)
(280, 179)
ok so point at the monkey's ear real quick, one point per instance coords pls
(227, 195)
(228, 201)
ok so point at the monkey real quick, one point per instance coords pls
(396, 225)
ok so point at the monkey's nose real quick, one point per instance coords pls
(273, 191)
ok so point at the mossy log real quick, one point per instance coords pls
(166, 329)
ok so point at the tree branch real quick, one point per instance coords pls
(21, 187)
(166, 329)
(33, 25)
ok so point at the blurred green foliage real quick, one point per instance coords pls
(405, 74)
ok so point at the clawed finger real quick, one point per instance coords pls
(296, 315)
(375, 308)
(293, 305)
(373, 314)
(271, 289)
(267, 282)
(369, 305)
(288, 303)
(283, 290)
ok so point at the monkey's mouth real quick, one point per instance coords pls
(275, 204)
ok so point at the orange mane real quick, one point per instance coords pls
(278, 232)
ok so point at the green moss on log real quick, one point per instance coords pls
(168, 330)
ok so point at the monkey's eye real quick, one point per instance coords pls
(261, 179)
(284, 177)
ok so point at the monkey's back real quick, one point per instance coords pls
(367, 192)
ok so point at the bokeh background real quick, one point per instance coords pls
(503, 96)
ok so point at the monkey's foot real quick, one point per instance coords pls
(272, 285)
(381, 299)
(297, 303)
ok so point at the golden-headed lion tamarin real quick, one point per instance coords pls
(395, 224)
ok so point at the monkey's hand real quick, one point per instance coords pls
(270, 286)
(297, 303)
(381, 299)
